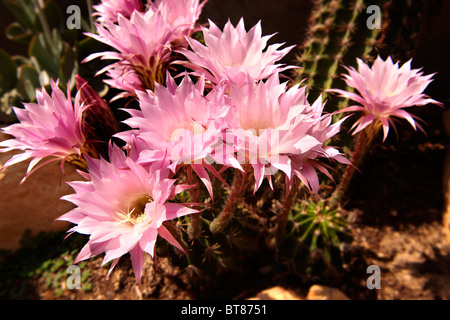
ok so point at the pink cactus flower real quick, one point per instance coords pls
(181, 16)
(306, 165)
(232, 54)
(109, 10)
(125, 79)
(180, 122)
(384, 90)
(123, 208)
(277, 129)
(145, 40)
(142, 42)
(49, 130)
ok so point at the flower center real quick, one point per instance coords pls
(77, 160)
(193, 126)
(135, 212)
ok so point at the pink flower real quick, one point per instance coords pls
(143, 36)
(232, 54)
(108, 10)
(181, 16)
(179, 122)
(306, 165)
(125, 79)
(277, 129)
(145, 40)
(123, 208)
(384, 91)
(51, 129)
(142, 42)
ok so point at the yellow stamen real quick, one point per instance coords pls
(135, 212)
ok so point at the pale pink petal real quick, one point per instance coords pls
(174, 210)
(90, 250)
(163, 232)
(137, 261)
(204, 177)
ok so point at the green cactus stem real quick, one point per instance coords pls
(223, 219)
(337, 35)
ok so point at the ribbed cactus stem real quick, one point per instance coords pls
(322, 19)
(344, 44)
(194, 228)
(337, 35)
(284, 214)
(223, 219)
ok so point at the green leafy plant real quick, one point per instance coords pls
(53, 52)
(40, 256)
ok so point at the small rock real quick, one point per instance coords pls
(276, 293)
(406, 259)
(319, 292)
(411, 281)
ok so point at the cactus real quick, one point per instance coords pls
(245, 239)
(338, 34)
(318, 226)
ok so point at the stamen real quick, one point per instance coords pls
(135, 212)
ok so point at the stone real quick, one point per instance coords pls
(36, 203)
(276, 293)
(406, 259)
(319, 292)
